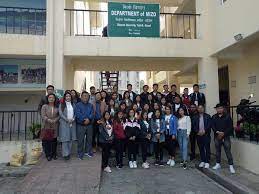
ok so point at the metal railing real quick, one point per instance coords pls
(247, 126)
(81, 22)
(15, 125)
(18, 20)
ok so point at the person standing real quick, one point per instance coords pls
(155, 92)
(120, 138)
(131, 129)
(99, 107)
(84, 116)
(171, 96)
(197, 97)
(75, 96)
(50, 117)
(92, 95)
(67, 127)
(106, 139)
(144, 137)
(192, 113)
(186, 98)
(44, 99)
(144, 94)
(183, 132)
(171, 123)
(166, 90)
(202, 127)
(158, 130)
(115, 90)
(132, 95)
(223, 128)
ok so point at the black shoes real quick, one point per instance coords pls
(49, 158)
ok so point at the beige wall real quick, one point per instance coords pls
(232, 18)
(28, 45)
(239, 70)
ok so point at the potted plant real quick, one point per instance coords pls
(35, 130)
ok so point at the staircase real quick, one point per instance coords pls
(109, 79)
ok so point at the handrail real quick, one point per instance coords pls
(4, 7)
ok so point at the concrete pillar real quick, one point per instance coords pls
(208, 79)
(55, 43)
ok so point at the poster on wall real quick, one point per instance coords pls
(8, 74)
(133, 20)
(33, 74)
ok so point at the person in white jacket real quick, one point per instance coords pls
(183, 132)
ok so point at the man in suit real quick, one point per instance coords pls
(197, 97)
(155, 92)
(144, 94)
(201, 124)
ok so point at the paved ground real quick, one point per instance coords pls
(158, 180)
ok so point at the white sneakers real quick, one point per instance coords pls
(207, 165)
(232, 170)
(107, 169)
(171, 162)
(204, 165)
(217, 166)
(133, 164)
(201, 165)
(145, 165)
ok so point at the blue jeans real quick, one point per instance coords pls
(183, 143)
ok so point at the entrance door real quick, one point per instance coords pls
(224, 85)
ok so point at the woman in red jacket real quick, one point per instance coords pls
(120, 137)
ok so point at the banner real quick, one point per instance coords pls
(133, 20)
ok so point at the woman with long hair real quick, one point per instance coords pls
(183, 132)
(50, 117)
(127, 100)
(67, 127)
(106, 139)
(120, 138)
(75, 96)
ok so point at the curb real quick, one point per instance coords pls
(226, 182)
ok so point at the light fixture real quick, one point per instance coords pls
(238, 37)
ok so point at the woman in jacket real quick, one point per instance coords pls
(50, 117)
(170, 134)
(131, 129)
(106, 139)
(144, 137)
(158, 131)
(127, 100)
(67, 125)
(119, 138)
(183, 132)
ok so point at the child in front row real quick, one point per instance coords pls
(106, 139)
(158, 130)
(131, 129)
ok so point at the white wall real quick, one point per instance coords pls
(18, 44)
(232, 18)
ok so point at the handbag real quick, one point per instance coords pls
(47, 134)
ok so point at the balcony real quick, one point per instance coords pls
(80, 22)
(18, 20)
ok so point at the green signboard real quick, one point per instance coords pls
(133, 20)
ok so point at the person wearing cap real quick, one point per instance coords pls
(222, 126)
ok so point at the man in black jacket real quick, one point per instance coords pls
(223, 128)
(171, 96)
(201, 124)
(192, 113)
(131, 93)
(197, 97)
(155, 92)
(144, 94)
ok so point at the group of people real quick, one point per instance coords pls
(150, 123)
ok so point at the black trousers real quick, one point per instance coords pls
(170, 145)
(119, 147)
(193, 143)
(106, 150)
(143, 143)
(50, 147)
(132, 150)
(95, 141)
(159, 153)
(204, 147)
(226, 143)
